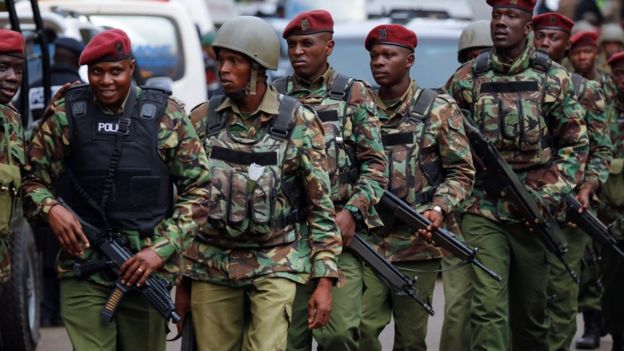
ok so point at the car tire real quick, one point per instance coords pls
(21, 295)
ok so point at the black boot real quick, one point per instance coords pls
(591, 336)
(618, 342)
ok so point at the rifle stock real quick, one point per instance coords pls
(394, 279)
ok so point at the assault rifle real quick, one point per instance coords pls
(386, 271)
(590, 224)
(391, 203)
(115, 252)
(501, 180)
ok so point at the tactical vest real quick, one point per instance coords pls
(341, 153)
(510, 112)
(10, 182)
(409, 164)
(142, 191)
(251, 205)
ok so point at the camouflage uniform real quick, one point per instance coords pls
(11, 143)
(360, 133)
(316, 246)
(521, 107)
(611, 211)
(442, 146)
(589, 293)
(562, 291)
(181, 151)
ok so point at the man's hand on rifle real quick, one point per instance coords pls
(138, 268)
(346, 224)
(436, 219)
(67, 230)
(320, 304)
(584, 196)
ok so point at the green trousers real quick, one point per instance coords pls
(457, 284)
(136, 325)
(342, 332)
(613, 297)
(518, 303)
(589, 291)
(242, 318)
(563, 291)
(380, 304)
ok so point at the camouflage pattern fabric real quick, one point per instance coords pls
(549, 113)
(313, 254)
(360, 128)
(11, 145)
(178, 147)
(592, 99)
(444, 135)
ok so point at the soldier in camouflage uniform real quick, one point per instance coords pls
(357, 168)
(12, 157)
(271, 220)
(474, 38)
(524, 103)
(159, 149)
(582, 56)
(611, 41)
(430, 167)
(611, 211)
(552, 35)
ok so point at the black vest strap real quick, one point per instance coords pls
(509, 87)
(577, 83)
(242, 157)
(215, 121)
(482, 63)
(282, 124)
(339, 89)
(280, 84)
(421, 106)
(541, 61)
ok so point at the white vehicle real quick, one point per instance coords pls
(165, 41)
(460, 9)
(221, 10)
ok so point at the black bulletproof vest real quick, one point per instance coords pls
(142, 190)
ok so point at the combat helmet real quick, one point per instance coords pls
(475, 35)
(251, 36)
(612, 32)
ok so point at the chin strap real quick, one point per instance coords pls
(253, 79)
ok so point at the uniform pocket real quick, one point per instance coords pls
(262, 197)
(10, 182)
(219, 193)
(237, 206)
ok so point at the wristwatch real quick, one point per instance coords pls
(438, 209)
(355, 213)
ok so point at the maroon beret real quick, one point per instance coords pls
(11, 43)
(616, 58)
(587, 38)
(553, 20)
(524, 5)
(109, 45)
(391, 34)
(309, 22)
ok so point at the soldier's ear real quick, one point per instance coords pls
(132, 66)
(329, 47)
(528, 27)
(409, 60)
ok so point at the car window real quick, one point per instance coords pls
(436, 60)
(156, 43)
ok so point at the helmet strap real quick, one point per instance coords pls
(253, 79)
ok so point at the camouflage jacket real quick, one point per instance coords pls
(361, 129)
(593, 101)
(444, 135)
(611, 192)
(11, 145)
(178, 147)
(550, 168)
(314, 253)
